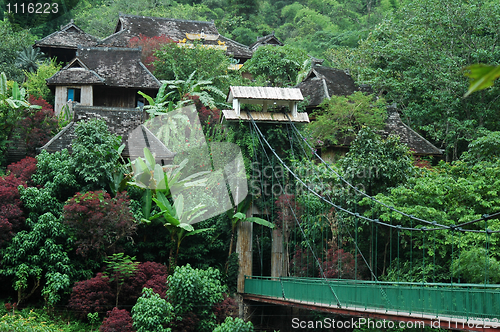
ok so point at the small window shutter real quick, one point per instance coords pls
(71, 94)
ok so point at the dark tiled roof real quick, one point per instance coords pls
(323, 82)
(266, 40)
(315, 90)
(415, 141)
(62, 140)
(121, 121)
(236, 49)
(140, 138)
(68, 76)
(70, 36)
(118, 67)
(130, 26)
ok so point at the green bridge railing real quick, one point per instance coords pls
(453, 300)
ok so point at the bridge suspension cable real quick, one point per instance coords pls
(434, 223)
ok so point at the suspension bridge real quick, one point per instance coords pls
(330, 270)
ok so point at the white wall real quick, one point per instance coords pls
(86, 97)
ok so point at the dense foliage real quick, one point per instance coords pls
(64, 217)
(176, 62)
(151, 313)
(196, 291)
(149, 46)
(234, 325)
(36, 257)
(278, 65)
(373, 164)
(35, 83)
(95, 153)
(12, 42)
(418, 55)
(340, 118)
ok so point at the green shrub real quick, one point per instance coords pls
(38, 320)
(95, 153)
(234, 325)
(196, 291)
(35, 82)
(151, 313)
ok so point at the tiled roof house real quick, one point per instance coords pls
(182, 31)
(264, 41)
(103, 76)
(64, 43)
(323, 82)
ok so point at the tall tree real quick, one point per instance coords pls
(417, 57)
(279, 65)
(10, 44)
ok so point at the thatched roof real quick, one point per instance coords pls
(116, 67)
(70, 36)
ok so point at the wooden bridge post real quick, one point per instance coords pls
(244, 250)
(277, 262)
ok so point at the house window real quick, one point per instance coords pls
(74, 95)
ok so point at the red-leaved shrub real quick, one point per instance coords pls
(208, 117)
(149, 275)
(98, 221)
(98, 294)
(5, 230)
(226, 308)
(188, 323)
(24, 169)
(93, 295)
(149, 46)
(38, 127)
(339, 264)
(11, 216)
(117, 321)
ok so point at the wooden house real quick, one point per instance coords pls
(264, 41)
(324, 82)
(63, 44)
(103, 76)
(183, 31)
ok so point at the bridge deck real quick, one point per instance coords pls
(454, 306)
